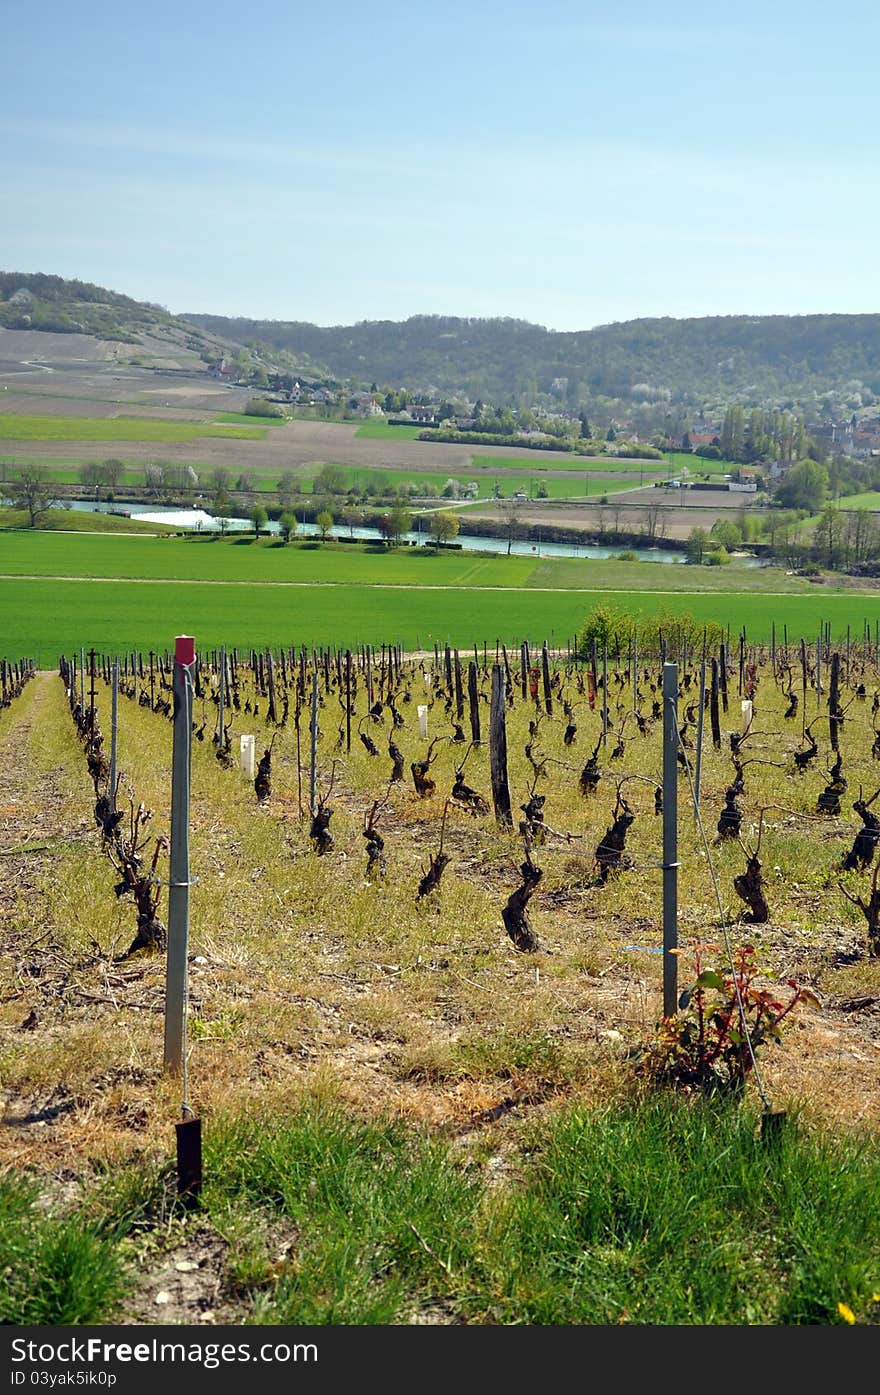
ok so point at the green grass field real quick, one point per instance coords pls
(242, 559)
(676, 460)
(16, 427)
(243, 593)
(239, 558)
(69, 474)
(74, 521)
(586, 478)
(576, 485)
(47, 617)
(62, 468)
(60, 471)
(575, 465)
(673, 460)
(870, 500)
(378, 429)
(696, 465)
(63, 472)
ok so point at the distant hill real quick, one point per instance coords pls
(31, 300)
(775, 360)
(756, 359)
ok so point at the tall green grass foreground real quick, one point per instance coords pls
(54, 1270)
(660, 1212)
(670, 1213)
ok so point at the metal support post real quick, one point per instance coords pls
(220, 711)
(699, 756)
(314, 734)
(670, 839)
(178, 885)
(114, 732)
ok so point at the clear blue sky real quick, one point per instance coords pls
(569, 164)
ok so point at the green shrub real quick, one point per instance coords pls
(607, 625)
(616, 628)
(260, 407)
(676, 627)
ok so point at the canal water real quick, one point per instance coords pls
(201, 522)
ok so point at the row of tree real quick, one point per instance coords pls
(761, 436)
(442, 527)
(837, 539)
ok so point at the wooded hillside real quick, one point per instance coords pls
(789, 359)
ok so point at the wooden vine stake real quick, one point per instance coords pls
(474, 703)
(189, 1128)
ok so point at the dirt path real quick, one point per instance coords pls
(33, 815)
(53, 975)
(35, 822)
(50, 991)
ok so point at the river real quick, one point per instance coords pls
(201, 522)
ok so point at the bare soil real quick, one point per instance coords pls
(20, 348)
(628, 512)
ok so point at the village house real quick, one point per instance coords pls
(366, 405)
(224, 369)
(866, 437)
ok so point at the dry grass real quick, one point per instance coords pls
(306, 975)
